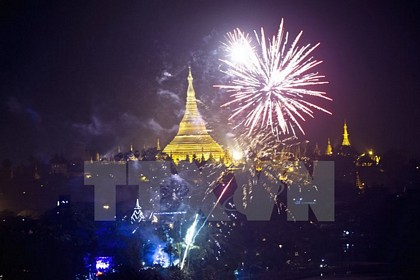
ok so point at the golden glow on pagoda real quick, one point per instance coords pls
(329, 150)
(192, 137)
(346, 141)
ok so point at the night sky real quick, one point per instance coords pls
(97, 75)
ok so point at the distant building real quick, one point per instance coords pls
(352, 168)
(59, 165)
(316, 152)
(344, 157)
(346, 150)
(368, 159)
(369, 170)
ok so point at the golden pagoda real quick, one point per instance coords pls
(346, 141)
(192, 138)
(329, 150)
(346, 149)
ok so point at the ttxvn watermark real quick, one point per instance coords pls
(215, 190)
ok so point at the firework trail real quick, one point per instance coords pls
(192, 231)
(271, 82)
(189, 239)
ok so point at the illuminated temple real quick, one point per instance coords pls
(192, 139)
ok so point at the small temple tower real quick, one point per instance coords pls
(359, 185)
(317, 152)
(192, 137)
(346, 141)
(329, 150)
(158, 145)
(346, 149)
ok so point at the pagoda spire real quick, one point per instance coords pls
(346, 141)
(158, 145)
(192, 122)
(329, 150)
(317, 152)
(190, 91)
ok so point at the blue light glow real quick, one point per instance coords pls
(103, 264)
(160, 257)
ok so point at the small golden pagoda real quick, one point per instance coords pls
(346, 141)
(346, 149)
(329, 150)
(192, 138)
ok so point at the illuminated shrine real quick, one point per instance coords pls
(192, 138)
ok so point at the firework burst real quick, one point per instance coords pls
(271, 82)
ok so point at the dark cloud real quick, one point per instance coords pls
(170, 95)
(158, 129)
(18, 108)
(95, 127)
